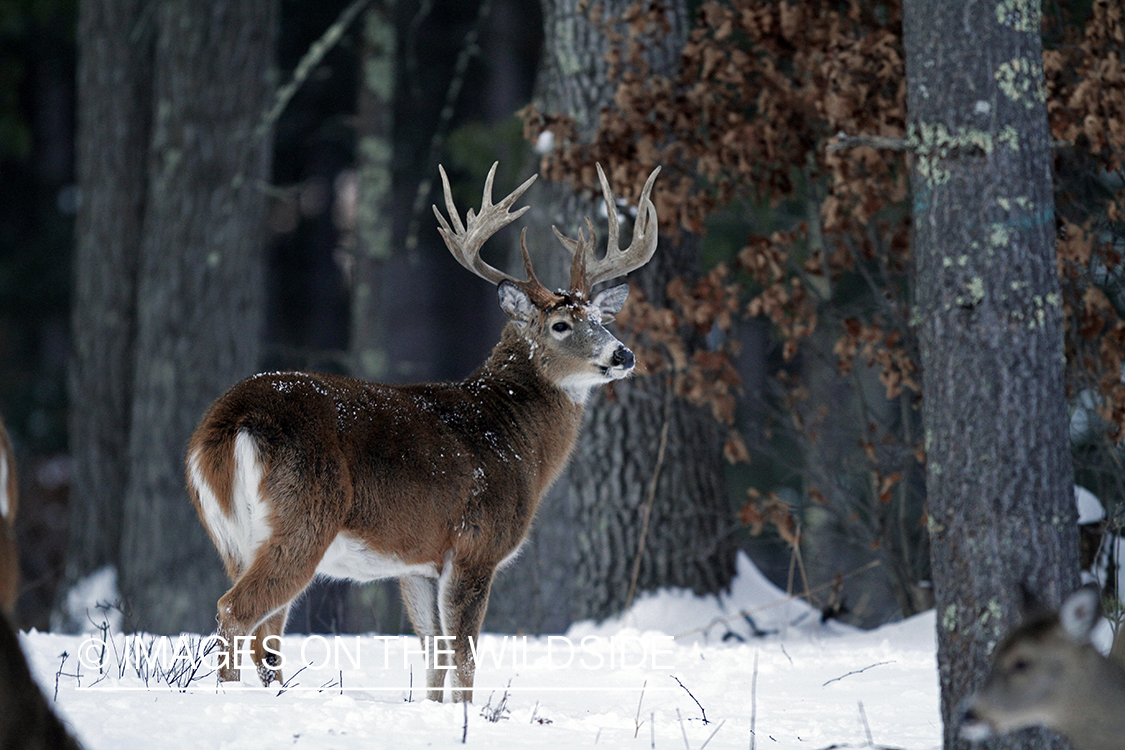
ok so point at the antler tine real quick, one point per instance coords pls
(618, 262)
(570, 245)
(588, 271)
(611, 217)
(531, 278)
(465, 240)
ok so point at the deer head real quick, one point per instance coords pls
(566, 327)
(1046, 673)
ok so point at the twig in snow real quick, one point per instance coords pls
(758, 632)
(787, 656)
(286, 685)
(501, 711)
(535, 717)
(465, 724)
(682, 730)
(652, 729)
(866, 726)
(637, 719)
(58, 673)
(754, 701)
(724, 721)
(857, 671)
(677, 679)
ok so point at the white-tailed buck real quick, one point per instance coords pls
(297, 475)
(1046, 673)
(9, 558)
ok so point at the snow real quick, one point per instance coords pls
(1090, 509)
(666, 663)
(82, 602)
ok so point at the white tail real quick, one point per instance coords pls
(296, 475)
(1047, 673)
(9, 558)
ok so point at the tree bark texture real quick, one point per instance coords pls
(578, 562)
(689, 541)
(373, 606)
(114, 117)
(183, 297)
(1001, 502)
(374, 226)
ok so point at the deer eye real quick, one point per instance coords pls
(561, 327)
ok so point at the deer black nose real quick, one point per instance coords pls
(622, 358)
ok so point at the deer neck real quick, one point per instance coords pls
(540, 409)
(1095, 719)
(520, 363)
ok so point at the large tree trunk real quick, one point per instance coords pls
(1001, 503)
(580, 557)
(169, 279)
(114, 116)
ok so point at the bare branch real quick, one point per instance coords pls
(308, 63)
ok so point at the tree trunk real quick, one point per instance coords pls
(579, 560)
(114, 120)
(1001, 503)
(689, 541)
(374, 229)
(199, 293)
(373, 606)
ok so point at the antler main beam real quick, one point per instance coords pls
(465, 240)
(586, 271)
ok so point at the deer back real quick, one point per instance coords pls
(419, 470)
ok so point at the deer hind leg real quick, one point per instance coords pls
(420, 594)
(295, 506)
(462, 600)
(259, 601)
(267, 644)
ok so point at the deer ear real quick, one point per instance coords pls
(515, 302)
(610, 301)
(1079, 613)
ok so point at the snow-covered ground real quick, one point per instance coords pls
(665, 675)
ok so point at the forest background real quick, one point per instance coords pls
(778, 409)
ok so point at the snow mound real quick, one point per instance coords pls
(753, 603)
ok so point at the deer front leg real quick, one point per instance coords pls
(420, 595)
(462, 601)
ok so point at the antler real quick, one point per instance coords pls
(465, 241)
(585, 270)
